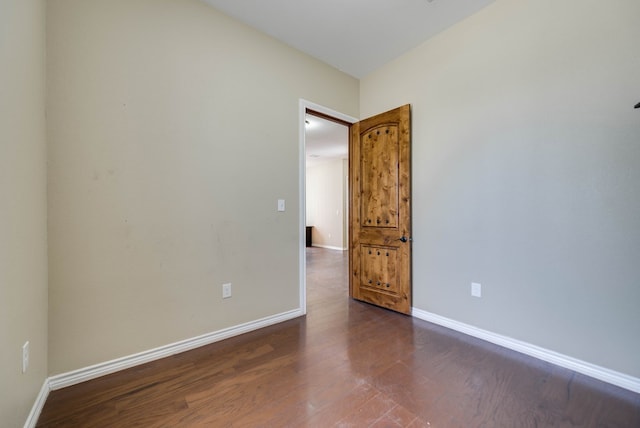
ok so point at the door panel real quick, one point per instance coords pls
(380, 214)
(379, 158)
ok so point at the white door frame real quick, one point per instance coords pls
(302, 210)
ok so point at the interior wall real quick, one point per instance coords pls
(173, 132)
(23, 207)
(526, 164)
(325, 203)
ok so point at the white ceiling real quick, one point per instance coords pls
(325, 140)
(355, 36)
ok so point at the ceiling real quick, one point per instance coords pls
(325, 140)
(355, 36)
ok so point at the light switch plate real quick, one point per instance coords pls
(281, 205)
(226, 290)
(25, 357)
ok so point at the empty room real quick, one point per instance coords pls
(154, 269)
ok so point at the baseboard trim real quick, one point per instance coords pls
(329, 247)
(36, 409)
(81, 375)
(606, 375)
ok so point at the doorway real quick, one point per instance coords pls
(327, 218)
(379, 245)
(327, 171)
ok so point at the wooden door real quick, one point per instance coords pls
(380, 212)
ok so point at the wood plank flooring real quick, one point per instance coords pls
(345, 364)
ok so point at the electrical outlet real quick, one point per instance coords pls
(226, 290)
(476, 289)
(25, 356)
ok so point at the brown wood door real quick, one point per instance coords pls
(380, 211)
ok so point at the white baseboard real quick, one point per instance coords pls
(329, 247)
(606, 375)
(81, 375)
(36, 409)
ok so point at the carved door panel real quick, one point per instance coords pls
(380, 212)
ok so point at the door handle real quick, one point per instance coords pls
(403, 239)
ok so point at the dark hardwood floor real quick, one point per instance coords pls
(345, 364)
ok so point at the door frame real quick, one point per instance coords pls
(303, 105)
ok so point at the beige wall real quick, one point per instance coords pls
(326, 202)
(23, 207)
(173, 130)
(526, 164)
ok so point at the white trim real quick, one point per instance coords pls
(36, 409)
(606, 375)
(329, 247)
(81, 375)
(303, 105)
(302, 210)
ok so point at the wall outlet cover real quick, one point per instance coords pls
(476, 289)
